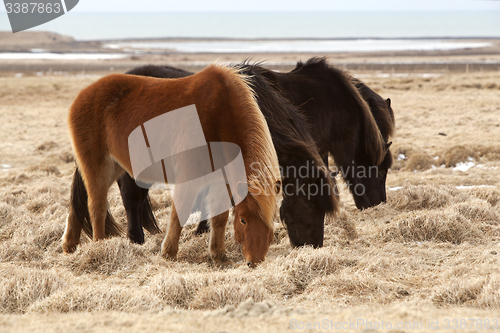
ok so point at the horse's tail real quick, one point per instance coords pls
(79, 205)
(147, 217)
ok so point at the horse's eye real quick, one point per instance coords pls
(243, 221)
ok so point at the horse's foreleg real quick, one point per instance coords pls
(170, 244)
(218, 231)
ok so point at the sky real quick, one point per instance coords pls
(287, 5)
(282, 5)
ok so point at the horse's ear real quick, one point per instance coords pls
(277, 187)
(387, 145)
(388, 102)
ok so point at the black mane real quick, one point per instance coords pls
(319, 63)
(381, 111)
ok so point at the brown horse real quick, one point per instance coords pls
(107, 112)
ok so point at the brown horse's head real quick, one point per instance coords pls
(253, 225)
(253, 234)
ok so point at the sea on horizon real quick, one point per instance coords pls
(294, 45)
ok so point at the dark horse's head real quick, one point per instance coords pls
(305, 203)
(375, 179)
(343, 125)
(309, 193)
(367, 181)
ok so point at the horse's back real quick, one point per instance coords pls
(111, 108)
(167, 72)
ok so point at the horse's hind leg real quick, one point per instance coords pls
(98, 179)
(218, 232)
(170, 245)
(78, 212)
(71, 237)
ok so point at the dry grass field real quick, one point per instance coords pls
(430, 254)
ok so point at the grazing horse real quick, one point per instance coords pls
(104, 115)
(343, 124)
(296, 152)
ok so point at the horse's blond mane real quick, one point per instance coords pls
(261, 160)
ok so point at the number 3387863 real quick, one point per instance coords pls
(33, 7)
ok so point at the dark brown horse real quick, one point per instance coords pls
(312, 192)
(105, 116)
(354, 133)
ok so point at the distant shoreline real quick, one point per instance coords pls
(33, 41)
(5, 33)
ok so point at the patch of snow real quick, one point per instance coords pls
(395, 188)
(402, 157)
(465, 187)
(112, 46)
(464, 166)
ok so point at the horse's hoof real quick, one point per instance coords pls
(202, 229)
(69, 248)
(69, 243)
(200, 232)
(168, 253)
(222, 262)
(169, 256)
(136, 239)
